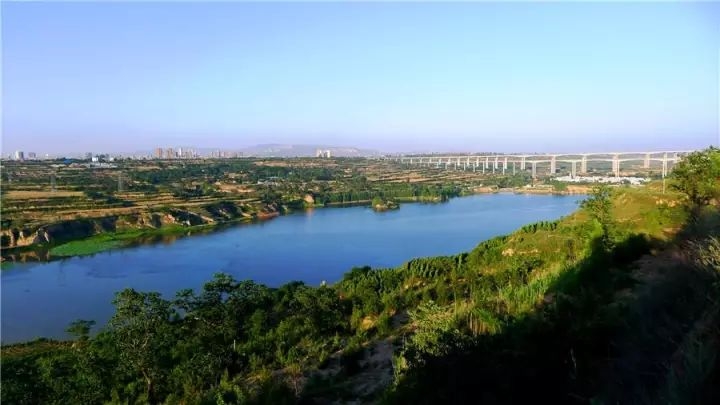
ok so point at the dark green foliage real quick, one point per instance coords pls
(487, 252)
(599, 206)
(509, 181)
(540, 226)
(153, 348)
(698, 176)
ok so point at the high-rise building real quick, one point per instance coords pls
(159, 153)
(32, 155)
(322, 153)
(169, 153)
(19, 155)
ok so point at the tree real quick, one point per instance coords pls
(599, 206)
(142, 330)
(80, 329)
(698, 176)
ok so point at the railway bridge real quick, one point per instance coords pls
(576, 163)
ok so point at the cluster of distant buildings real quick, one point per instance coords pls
(225, 154)
(191, 153)
(171, 153)
(323, 153)
(158, 153)
(99, 157)
(20, 155)
(602, 179)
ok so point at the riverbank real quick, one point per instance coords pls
(109, 240)
(565, 190)
(112, 240)
(105, 240)
(540, 189)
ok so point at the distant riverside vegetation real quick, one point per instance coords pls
(615, 303)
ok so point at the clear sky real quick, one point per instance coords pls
(561, 76)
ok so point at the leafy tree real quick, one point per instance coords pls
(698, 176)
(142, 331)
(80, 329)
(599, 206)
(436, 334)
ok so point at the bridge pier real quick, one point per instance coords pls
(616, 165)
(500, 162)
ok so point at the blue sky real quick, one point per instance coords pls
(561, 76)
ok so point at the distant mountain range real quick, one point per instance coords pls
(281, 150)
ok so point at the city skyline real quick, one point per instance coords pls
(561, 77)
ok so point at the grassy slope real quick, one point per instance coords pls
(107, 241)
(611, 317)
(557, 253)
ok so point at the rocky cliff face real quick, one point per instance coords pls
(86, 227)
(73, 229)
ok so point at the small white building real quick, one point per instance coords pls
(602, 179)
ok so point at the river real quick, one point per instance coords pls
(41, 299)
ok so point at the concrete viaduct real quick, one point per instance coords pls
(578, 161)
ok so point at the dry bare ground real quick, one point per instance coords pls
(31, 194)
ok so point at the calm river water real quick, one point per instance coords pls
(41, 299)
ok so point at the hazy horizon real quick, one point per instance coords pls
(394, 77)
